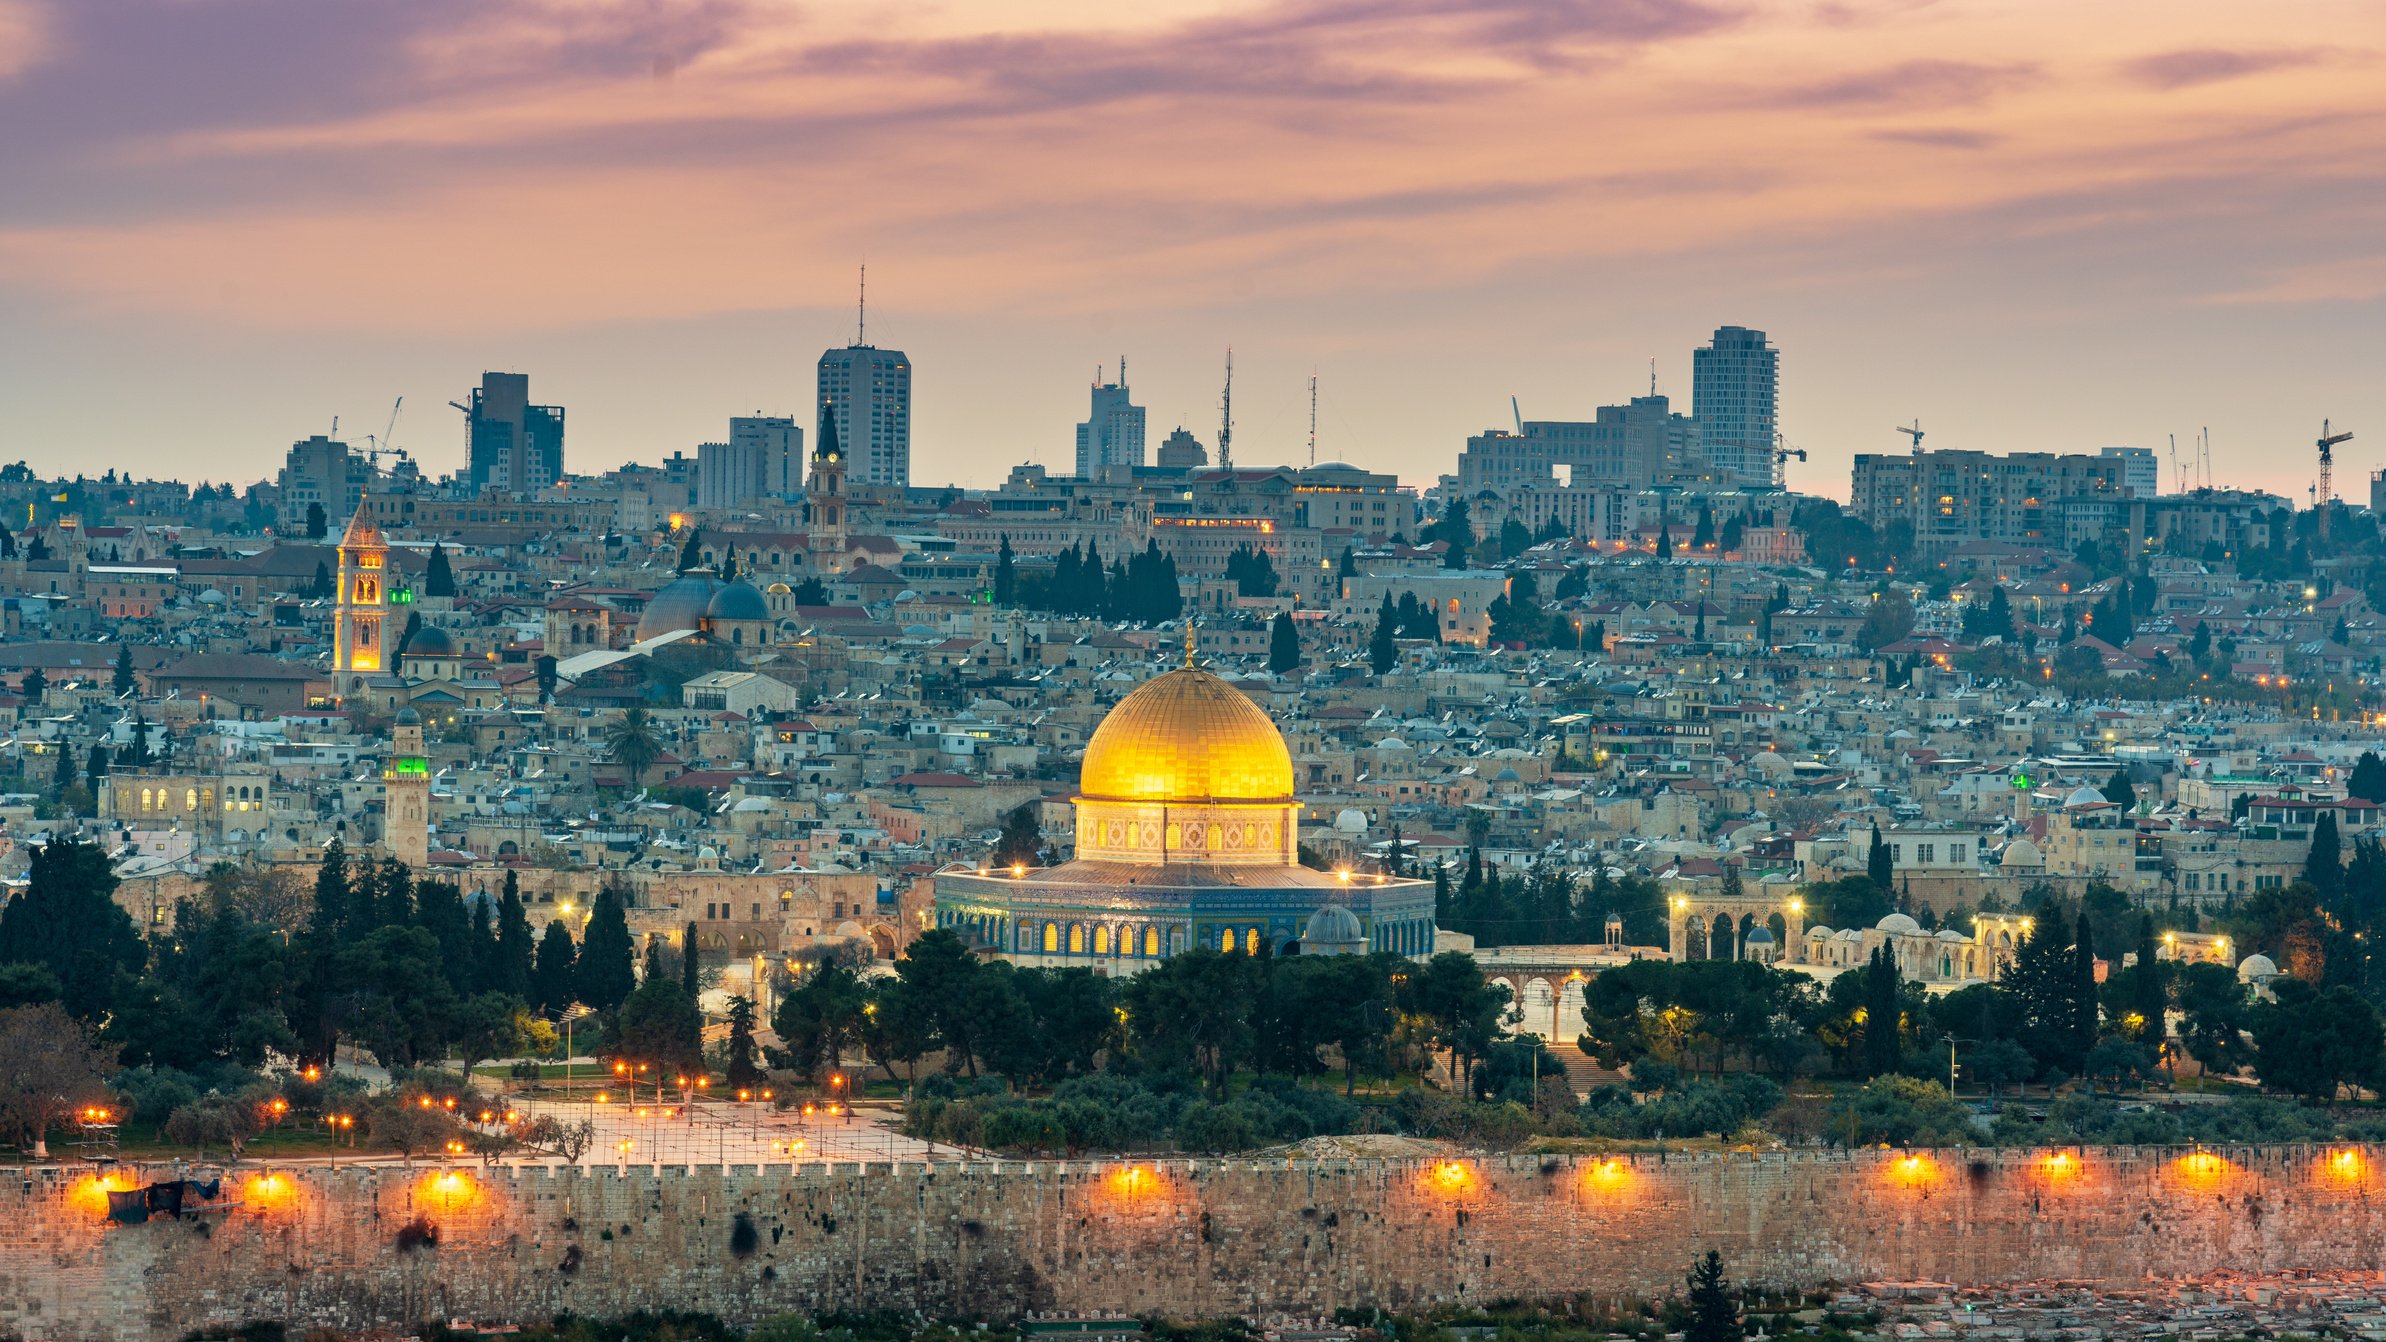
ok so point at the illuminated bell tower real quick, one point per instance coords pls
(357, 644)
(824, 500)
(407, 827)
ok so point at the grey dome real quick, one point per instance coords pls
(1333, 930)
(737, 601)
(680, 605)
(407, 717)
(432, 641)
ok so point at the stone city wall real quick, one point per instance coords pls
(386, 1246)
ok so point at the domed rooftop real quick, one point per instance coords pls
(1898, 924)
(432, 641)
(2256, 966)
(1187, 736)
(1332, 929)
(737, 601)
(2083, 795)
(1758, 936)
(680, 605)
(2022, 853)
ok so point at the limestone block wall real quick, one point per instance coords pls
(386, 1246)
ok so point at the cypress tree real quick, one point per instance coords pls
(2146, 995)
(1006, 574)
(2083, 988)
(62, 776)
(334, 904)
(553, 978)
(438, 578)
(1876, 861)
(1883, 1007)
(1284, 645)
(689, 978)
(1382, 651)
(514, 943)
(605, 971)
(124, 680)
(1714, 1315)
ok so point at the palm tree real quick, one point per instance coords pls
(634, 744)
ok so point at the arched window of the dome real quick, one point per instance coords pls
(1151, 942)
(1076, 938)
(1052, 938)
(1101, 939)
(1226, 941)
(1251, 941)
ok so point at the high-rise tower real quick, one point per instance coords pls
(1735, 385)
(1112, 435)
(357, 644)
(512, 445)
(866, 391)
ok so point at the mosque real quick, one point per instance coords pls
(1187, 836)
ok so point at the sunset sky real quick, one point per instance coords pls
(2034, 225)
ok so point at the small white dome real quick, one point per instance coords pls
(2256, 967)
(1351, 821)
(1818, 932)
(2022, 853)
(1950, 934)
(1898, 924)
(2083, 796)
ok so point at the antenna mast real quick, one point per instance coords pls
(1313, 419)
(1226, 415)
(861, 309)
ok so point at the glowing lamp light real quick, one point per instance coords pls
(1452, 1178)
(1916, 1172)
(2346, 1166)
(2202, 1169)
(2060, 1167)
(448, 1190)
(91, 1192)
(269, 1192)
(1608, 1177)
(1133, 1182)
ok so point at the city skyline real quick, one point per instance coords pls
(236, 223)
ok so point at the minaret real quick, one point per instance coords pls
(407, 825)
(824, 499)
(357, 645)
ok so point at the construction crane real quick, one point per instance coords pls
(382, 444)
(2327, 492)
(1913, 431)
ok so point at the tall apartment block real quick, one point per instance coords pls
(867, 392)
(1113, 434)
(1735, 385)
(511, 445)
(762, 459)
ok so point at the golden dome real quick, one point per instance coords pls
(1187, 736)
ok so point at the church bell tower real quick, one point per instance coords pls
(358, 648)
(824, 499)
